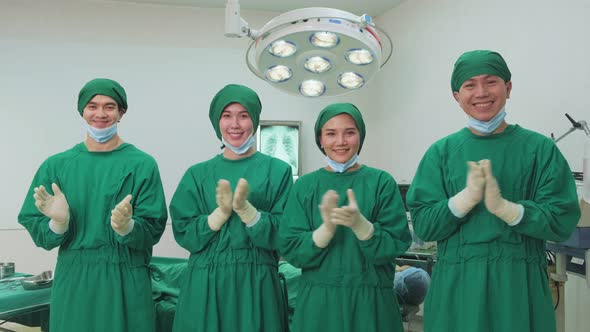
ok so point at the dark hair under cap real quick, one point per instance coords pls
(478, 62)
(235, 93)
(105, 87)
(331, 111)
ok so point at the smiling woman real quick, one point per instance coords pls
(343, 226)
(225, 212)
(340, 138)
(236, 131)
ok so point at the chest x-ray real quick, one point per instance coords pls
(280, 139)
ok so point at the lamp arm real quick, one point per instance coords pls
(582, 125)
(564, 135)
(235, 25)
(585, 127)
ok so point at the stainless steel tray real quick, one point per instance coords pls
(39, 281)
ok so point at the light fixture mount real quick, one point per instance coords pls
(325, 51)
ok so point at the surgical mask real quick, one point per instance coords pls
(101, 135)
(242, 148)
(488, 127)
(341, 168)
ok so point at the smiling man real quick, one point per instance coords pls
(105, 211)
(491, 223)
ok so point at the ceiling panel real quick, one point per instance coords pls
(372, 7)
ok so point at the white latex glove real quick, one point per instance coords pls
(54, 207)
(350, 216)
(324, 234)
(466, 199)
(509, 212)
(121, 221)
(248, 213)
(221, 214)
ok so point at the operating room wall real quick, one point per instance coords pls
(171, 60)
(545, 45)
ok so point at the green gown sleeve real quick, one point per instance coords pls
(149, 209)
(392, 235)
(427, 200)
(189, 213)
(297, 244)
(264, 233)
(379, 201)
(34, 221)
(553, 210)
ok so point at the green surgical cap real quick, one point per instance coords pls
(479, 62)
(331, 111)
(105, 87)
(234, 93)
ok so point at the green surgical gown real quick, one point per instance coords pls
(490, 276)
(292, 275)
(347, 286)
(232, 282)
(101, 280)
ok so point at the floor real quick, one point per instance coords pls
(416, 321)
(414, 325)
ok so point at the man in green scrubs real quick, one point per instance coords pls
(344, 226)
(226, 213)
(102, 203)
(491, 194)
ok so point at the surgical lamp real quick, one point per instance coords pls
(313, 52)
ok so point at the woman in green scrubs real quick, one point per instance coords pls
(226, 212)
(344, 226)
(102, 203)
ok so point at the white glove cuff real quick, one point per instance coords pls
(462, 203)
(365, 230)
(255, 221)
(519, 216)
(322, 236)
(124, 230)
(58, 227)
(454, 210)
(216, 219)
(248, 214)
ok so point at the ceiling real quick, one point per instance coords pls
(371, 7)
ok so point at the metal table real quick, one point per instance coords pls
(571, 256)
(25, 307)
(422, 258)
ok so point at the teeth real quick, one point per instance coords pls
(483, 105)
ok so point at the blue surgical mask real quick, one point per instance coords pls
(488, 127)
(101, 135)
(242, 148)
(341, 168)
